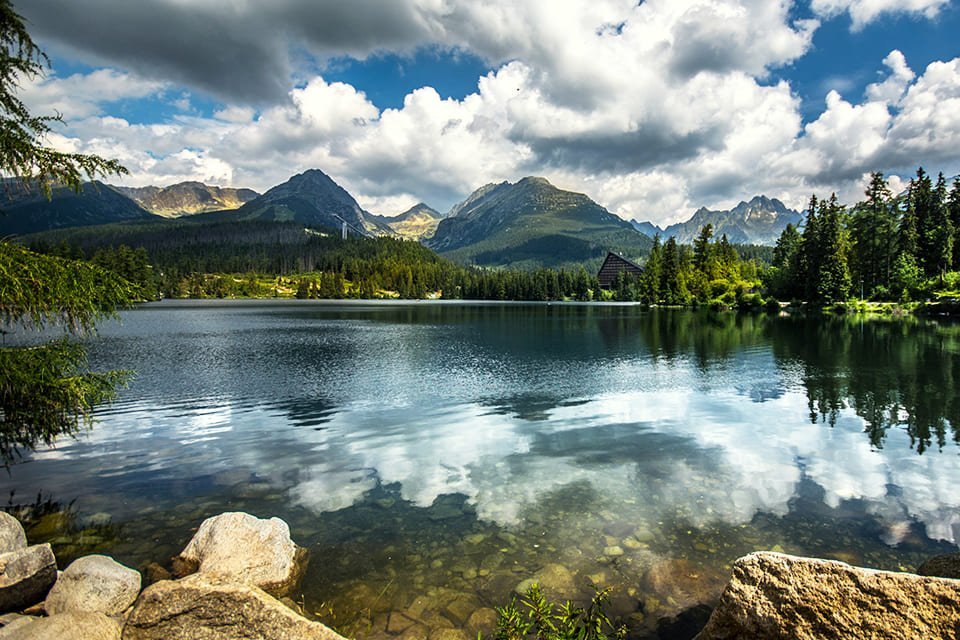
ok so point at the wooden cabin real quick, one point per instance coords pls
(613, 264)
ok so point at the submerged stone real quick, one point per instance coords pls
(483, 620)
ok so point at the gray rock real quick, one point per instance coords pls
(12, 537)
(94, 584)
(75, 625)
(26, 576)
(944, 566)
(772, 595)
(211, 607)
(247, 549)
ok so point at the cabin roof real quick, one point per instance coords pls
(612, 265)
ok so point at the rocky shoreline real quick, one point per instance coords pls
(231, 581)
(235, 576)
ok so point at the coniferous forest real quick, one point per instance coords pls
(884, 248)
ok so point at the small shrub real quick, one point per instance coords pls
(536, 618)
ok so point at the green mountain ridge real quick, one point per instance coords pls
(530, 224)
(24, 208)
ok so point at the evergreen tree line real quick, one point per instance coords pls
(709, 272)
(883, 248)
(260, 259)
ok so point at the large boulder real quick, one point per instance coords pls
(26, 576)
(777, 596)
(12, 537)
(75, 625)
(246, 549)
(211, 607)
(94, 584)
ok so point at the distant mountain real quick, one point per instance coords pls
(310, 198)
(532, 224)
(759, 221)
(647, 228)
(25, 209)
(416, 223)
(187, 198)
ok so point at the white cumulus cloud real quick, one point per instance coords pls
(653, 109)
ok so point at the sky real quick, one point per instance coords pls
(652, 108)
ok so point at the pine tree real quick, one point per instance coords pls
(45, 390)
(924, 205)
(672, 287)
(940, 231)
(873, 235)
(786, 258)
(652, 273)
(810, 252)
(953, 206)
(701, 249)
(787, 246)
(833, 273)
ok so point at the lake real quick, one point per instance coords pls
(435, 456)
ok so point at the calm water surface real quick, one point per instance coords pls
(433, 457)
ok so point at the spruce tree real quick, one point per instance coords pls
(953, 206)
(652, 273)
(940, 231)
(45, 390)
(810, 252)
(701, 249)
(873, 233)
(787, 245)
(672, 288)
(784, 277)
(924, 205)
(833, 273)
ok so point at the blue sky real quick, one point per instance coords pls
(848, 60)
(653, 109)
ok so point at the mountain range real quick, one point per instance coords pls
(759, 221)
(527, 224)
(187, 198)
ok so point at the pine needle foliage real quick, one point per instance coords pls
(23, 154)
(45, 389)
